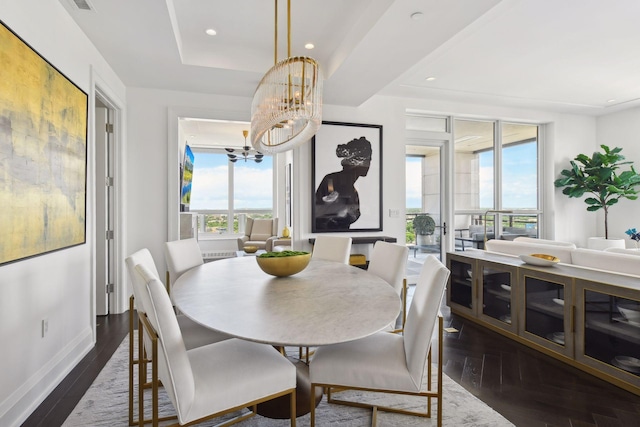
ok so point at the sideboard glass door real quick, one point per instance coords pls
(461, 287)
(547, 310)
(612, 333)
(498, 282)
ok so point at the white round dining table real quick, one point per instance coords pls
(326, 303)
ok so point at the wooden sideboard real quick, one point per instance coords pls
(568, 312)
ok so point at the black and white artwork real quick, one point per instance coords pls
(347, 178)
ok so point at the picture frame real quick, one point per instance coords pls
(43, 194)
(346, 178)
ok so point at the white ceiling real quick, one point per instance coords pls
(572, 56)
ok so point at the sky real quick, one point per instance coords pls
(519, 178)
(253, 183)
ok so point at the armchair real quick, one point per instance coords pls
(260, 233)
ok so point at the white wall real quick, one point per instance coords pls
(57, 286)
(621, 130)
(568, 217)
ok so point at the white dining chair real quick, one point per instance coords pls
(213, 380)
(389, 262)
(332, 248)
(194, 334)
(181, 256)
(391, 363)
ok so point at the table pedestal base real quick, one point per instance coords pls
(279, 408)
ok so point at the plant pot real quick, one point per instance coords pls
(425, 239)
(600, 243)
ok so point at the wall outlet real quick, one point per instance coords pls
(394, 213)
(45, 327)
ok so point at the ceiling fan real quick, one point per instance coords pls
(246, 153)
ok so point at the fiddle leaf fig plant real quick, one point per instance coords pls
(600, 176)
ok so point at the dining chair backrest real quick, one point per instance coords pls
(141, 257)
(422, 316)
(174, 368)
(182, 255)
(389, 261)
(332, 248)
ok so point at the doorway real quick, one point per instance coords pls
(105, 206)
(426, 230)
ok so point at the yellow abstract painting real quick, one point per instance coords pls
(43, 154)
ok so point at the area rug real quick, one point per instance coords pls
(106, 404)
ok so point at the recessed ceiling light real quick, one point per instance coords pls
(211, 31)
(309, 46)
(611, 100)
(416, 16)
(430, 78)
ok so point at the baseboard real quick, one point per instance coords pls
(22, 402)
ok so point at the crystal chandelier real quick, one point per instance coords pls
(287, 104)
(245, 154)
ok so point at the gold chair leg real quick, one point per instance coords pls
(404, 302)
(142, 367)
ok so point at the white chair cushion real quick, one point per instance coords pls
(377, 361)
(233, 372)
(422, 316)
(139, 285)
(332, 248)
(195, 335)
(174, 368)
(388, 261)
(181, 256)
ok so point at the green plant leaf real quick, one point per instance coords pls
(600, 175)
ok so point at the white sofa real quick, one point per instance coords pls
(617, 261)
(627, 251)
(518, 247)
(544, 242)
(606, 260)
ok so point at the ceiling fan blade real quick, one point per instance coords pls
(231, 156)
(230, 150)
(233, 160)
(258, 160)
(259, 156)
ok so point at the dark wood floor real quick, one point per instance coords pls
(528, 388)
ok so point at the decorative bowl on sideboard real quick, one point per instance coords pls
(542, 260)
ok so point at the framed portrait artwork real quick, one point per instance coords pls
(346, 177)
(43, 154)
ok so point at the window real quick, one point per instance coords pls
(223, 190)
(496, 168)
